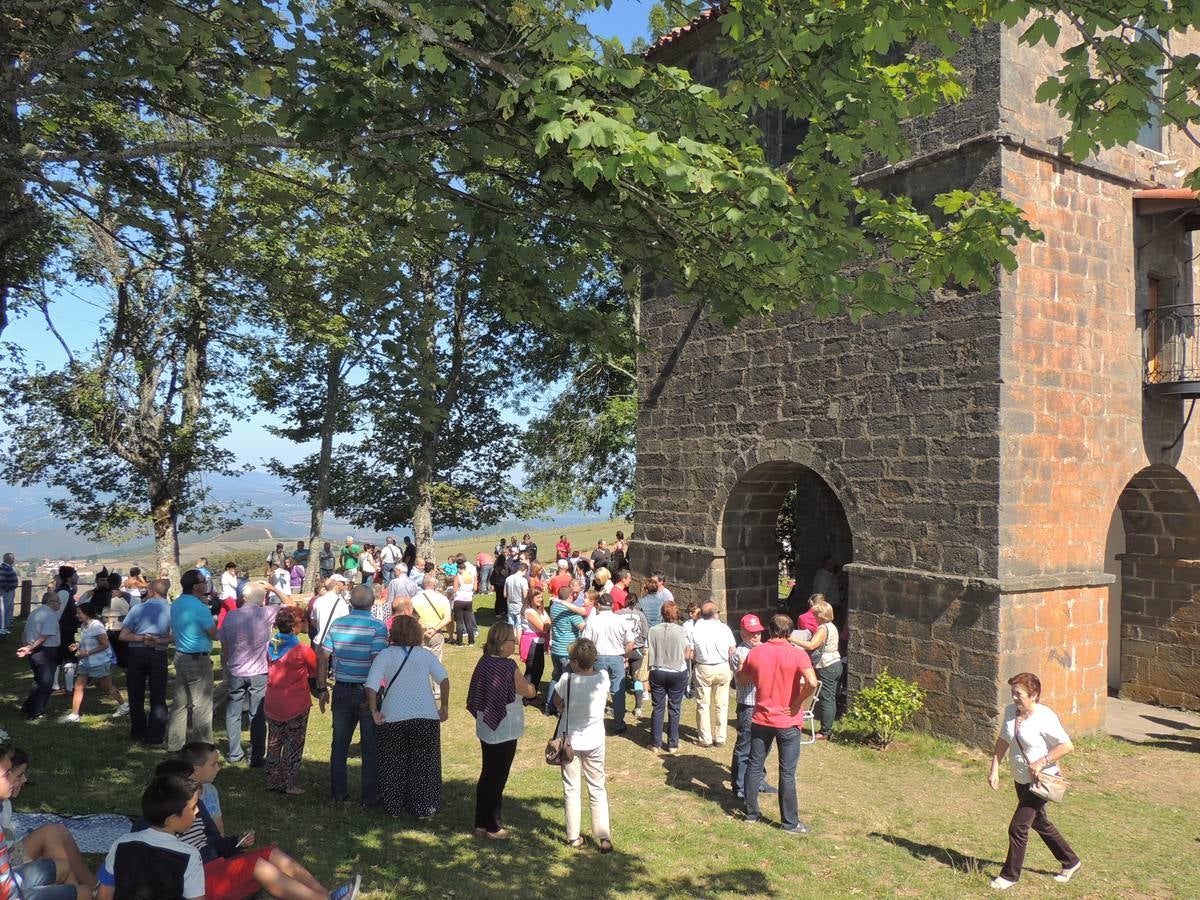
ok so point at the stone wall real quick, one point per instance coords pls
(978, 448)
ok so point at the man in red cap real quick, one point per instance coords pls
(750, 634)
(783, 677)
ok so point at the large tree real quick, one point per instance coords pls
(130, 423)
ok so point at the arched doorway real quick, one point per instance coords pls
(1159, 630)
(749, 537)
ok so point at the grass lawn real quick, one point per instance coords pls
(917, 820)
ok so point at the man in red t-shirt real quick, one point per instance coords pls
(563, 548)
(783, 678)
(620, 589)
(561, 579)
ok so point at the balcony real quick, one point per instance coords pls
(1171, 350)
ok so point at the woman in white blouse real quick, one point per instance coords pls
(408, 736)
(1035, 741)
(579, 696)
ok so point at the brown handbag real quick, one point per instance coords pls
(1047, 786)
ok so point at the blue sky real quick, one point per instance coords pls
(77, 314)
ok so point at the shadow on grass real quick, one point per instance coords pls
(947, 856)
(704, 777)
(960, 862)
(1186, 743)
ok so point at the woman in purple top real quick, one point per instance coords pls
(499, 721)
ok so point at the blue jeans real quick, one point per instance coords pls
(514, 619)
(43, 662)
(485, 578)
(615, 667)
(246, 692)
(666, 690)
(348, 712)
(560, 664)
(761, 738)
(389, 572)
(38, 882)
(741, 752)
(7, 599)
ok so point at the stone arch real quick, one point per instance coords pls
(1160, 586)
(747, 575)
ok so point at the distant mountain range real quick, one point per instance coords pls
(28, 529)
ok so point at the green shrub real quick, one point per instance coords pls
(884, 707)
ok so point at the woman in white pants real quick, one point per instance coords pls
(579, 696)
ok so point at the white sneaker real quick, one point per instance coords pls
(70, 717)
(1001, 884)
(122, 710)
(1065, 875)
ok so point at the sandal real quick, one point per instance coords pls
(606, 846)
(576, 844)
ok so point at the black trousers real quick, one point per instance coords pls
(489, 792)
(536, 664)
(1031, 811)
(147, 667)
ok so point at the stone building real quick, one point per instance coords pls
(1006, 477)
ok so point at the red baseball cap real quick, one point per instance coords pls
(750, 623)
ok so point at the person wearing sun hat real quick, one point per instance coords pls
(750, 632)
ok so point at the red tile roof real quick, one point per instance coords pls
(697, 24)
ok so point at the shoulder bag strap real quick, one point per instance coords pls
(565, 710)
(1017, 736)
(383, 693)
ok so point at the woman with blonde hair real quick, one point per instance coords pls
(580, 696)
(823, 646)
(494, 699)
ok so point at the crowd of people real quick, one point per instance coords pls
(378, 627)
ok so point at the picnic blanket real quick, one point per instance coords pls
(94, 833)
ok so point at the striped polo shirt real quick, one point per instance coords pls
(355, 640)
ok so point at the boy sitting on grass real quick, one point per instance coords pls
(154, 864)
(231, 874)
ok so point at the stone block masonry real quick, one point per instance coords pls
(966, 461)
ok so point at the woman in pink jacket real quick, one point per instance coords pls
(290, 666)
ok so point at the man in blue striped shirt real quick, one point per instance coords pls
(352, 642)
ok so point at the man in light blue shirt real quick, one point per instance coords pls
(194, 628)
(147, 632)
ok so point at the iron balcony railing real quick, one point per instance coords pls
(1171, 350)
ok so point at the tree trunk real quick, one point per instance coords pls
(422, 516)
(165, 517)
(319, 497)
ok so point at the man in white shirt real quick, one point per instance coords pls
(516, 587)
(825, 582)
(713, 645)
(614, 638)
(281, 579)
(229, 582)
(327, 607)
(389, 557)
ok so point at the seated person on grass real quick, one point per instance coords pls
(36, 880)
(231, 874)
(52, 842)
(152, 863)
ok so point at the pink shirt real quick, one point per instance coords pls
(777, 670)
